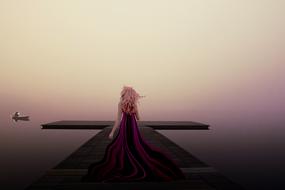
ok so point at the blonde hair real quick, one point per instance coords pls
(129, 99)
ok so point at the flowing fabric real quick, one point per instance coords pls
(130, 158)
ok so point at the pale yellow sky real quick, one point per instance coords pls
(73, 57)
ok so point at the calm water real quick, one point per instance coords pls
(249, 150)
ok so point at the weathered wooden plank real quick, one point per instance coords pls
(81, 172)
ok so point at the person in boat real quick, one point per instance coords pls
(17, 117)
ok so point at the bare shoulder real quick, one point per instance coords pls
(119, 110)
(137, 114)
(119, 106)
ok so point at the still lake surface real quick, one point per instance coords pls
(248, 151)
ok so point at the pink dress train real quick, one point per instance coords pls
(130, 158)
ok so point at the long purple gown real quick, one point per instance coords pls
(130, 158)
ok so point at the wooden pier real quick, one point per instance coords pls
(67, 174)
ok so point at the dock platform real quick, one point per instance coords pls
(67, 173)
(166, 125)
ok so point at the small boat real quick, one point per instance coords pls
(17, 117)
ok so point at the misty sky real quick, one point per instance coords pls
(191, 58)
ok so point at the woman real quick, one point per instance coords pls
(129, 157)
